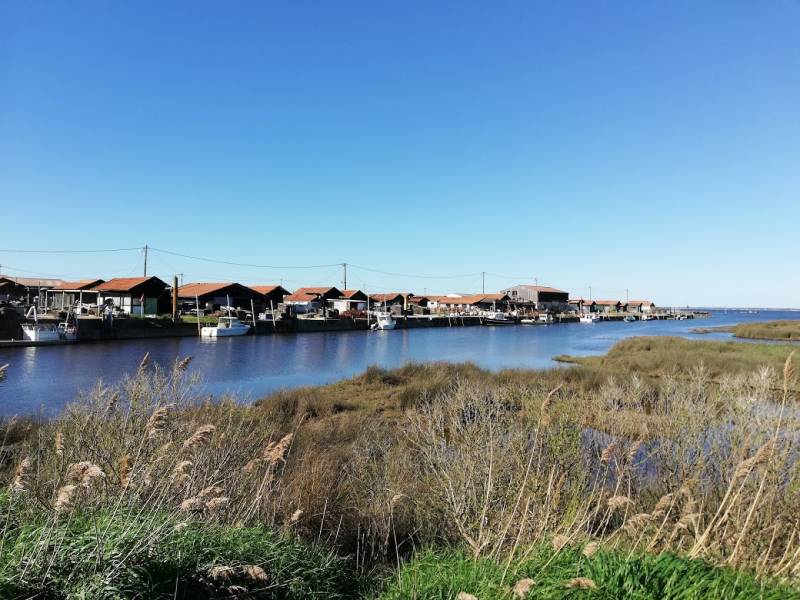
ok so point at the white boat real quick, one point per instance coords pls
(589, 318)
(629, 319)
(384, 320)
(527, 321)
(545, 318)
(497, 318)
(38, 332)
(67, 332)
(226, 327)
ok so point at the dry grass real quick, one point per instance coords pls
(439, 454)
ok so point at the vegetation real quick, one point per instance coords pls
(574, 572)
(680, 357)
(771, 330)
(147, 487)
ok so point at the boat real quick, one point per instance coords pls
(545, 318)
(384, 321)
(589, 318)
(528, 321)
(629, 319)
(226, 327)
(497, 318)
(38, 332)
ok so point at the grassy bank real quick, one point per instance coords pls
(665, 356)
(771, 330)
(148, 481)
(575, 572)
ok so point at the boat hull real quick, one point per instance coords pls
(214, 332)
(36, 333)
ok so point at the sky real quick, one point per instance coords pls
(642, 148)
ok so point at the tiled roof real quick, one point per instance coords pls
(268, 289)
(80, 284)
(200, 289)
(124, 284)
(543, 288)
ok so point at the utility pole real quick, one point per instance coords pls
(536, 281)
(483, 282)
(145, 260)
(344, 268)
(175, 299)
(590, 293)
(626, 296)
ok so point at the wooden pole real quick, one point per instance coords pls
(253, 313)
(175, 299)
(197, 307)
(272, 310)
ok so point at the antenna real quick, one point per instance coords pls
(145, 260)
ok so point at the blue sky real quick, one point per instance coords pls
(639, 145)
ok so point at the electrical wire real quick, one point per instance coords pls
(238, 264)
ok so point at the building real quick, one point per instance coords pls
(472, 303)
(393, 302)
(607, 306)
(69, 293)
(583, 306)
(417, 305)
(28, 288)
(640, 306)
(311, 299)
(274, 294)
(213, 296)
(11, 290)
(539, 296)
(134, 295)
(351, 300)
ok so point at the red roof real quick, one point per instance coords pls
(640, 302)
(200, 289)
(607, 302)
(124, 284)
(387, 297)
(302, 297)
(268, 289)
(80, 284)
(581, 301)
(350, 293)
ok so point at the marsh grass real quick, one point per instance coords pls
(542, 573)
(379, 466)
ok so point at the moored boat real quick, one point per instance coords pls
(383, 321)
(38, 332)
(226, 327)
(497, 318)
(589, 318)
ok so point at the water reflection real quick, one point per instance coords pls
(47, 377)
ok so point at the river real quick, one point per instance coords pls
(43, 379)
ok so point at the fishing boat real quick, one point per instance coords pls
(38, 332)
(629, 319)
(545, 318)
(589, 318)
(226, 327)
(383, 321)
(528, 321)
(497, 318)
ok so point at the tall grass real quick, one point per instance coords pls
(447, 456)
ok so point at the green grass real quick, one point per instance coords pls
(771, 330)
(443, 575)
(204, 320)
(659, 356)
(147, 556)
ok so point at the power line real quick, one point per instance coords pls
(68, 251)
(238, 264)
(414, 276)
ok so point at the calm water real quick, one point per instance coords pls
(44, 378)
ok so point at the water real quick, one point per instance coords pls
(44, 378)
